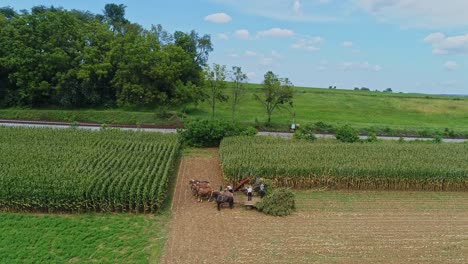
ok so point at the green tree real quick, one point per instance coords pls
(95, 71)
(238, 78)
(276, 92)
(42, 54)
(8, 12)
(54, 57)
(135, 55)
(215, 83)
(198, 47)
(347, 134)
(185, 94)
(114, 16)
(162, 35)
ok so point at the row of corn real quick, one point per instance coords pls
(382, 165)
(75, 170)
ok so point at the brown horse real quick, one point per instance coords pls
(221, 198)
(195, 185)
(205, 192)
(202, 185)
(194, 181)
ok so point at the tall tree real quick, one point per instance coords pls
(215, 82)
(51, 56)
(276, 92)
(238, 78)
(95, 71)
(7, 12)
(134, 79)
(115, 17)
(192, 43)
(43, 53)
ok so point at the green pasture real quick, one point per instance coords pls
(386, 113)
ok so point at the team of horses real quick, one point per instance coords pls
(203, 190)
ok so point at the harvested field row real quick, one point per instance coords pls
(328, 226)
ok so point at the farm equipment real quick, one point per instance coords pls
(241, 184)
(255, 187)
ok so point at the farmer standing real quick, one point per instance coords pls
(249, 193)
(262, 190)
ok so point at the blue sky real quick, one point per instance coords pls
(408, 45)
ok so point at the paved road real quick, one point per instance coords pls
(60, 125)
(171, 130)
(289, 135)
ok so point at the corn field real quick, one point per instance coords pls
(76, 170)
(385, 165)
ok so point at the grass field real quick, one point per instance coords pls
(76, 170)
(88, 238)
(379, 165)
(409, 112)
(412, 114)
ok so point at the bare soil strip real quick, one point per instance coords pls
(408, 228)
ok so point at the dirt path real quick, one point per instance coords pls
(195, 227)
(373, 228)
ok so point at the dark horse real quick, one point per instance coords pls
(221, 198)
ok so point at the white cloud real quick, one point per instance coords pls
(434, 37)
(309, 44)
(365, 66)
(223, 36)
(449, 83)
(242, 33)
(442, 44)
(322, 66)
(408, 13)
(250, 53)
(221, 18)
(276, 33)
(297, 7)
(233, 55)
(347, 44)
(265, 60)
(346, 66)
(451, 65)
(302, 45)
(276, 54)
(286, 10)
(251, 75)
(418, 13)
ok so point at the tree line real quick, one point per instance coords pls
(54, 57)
